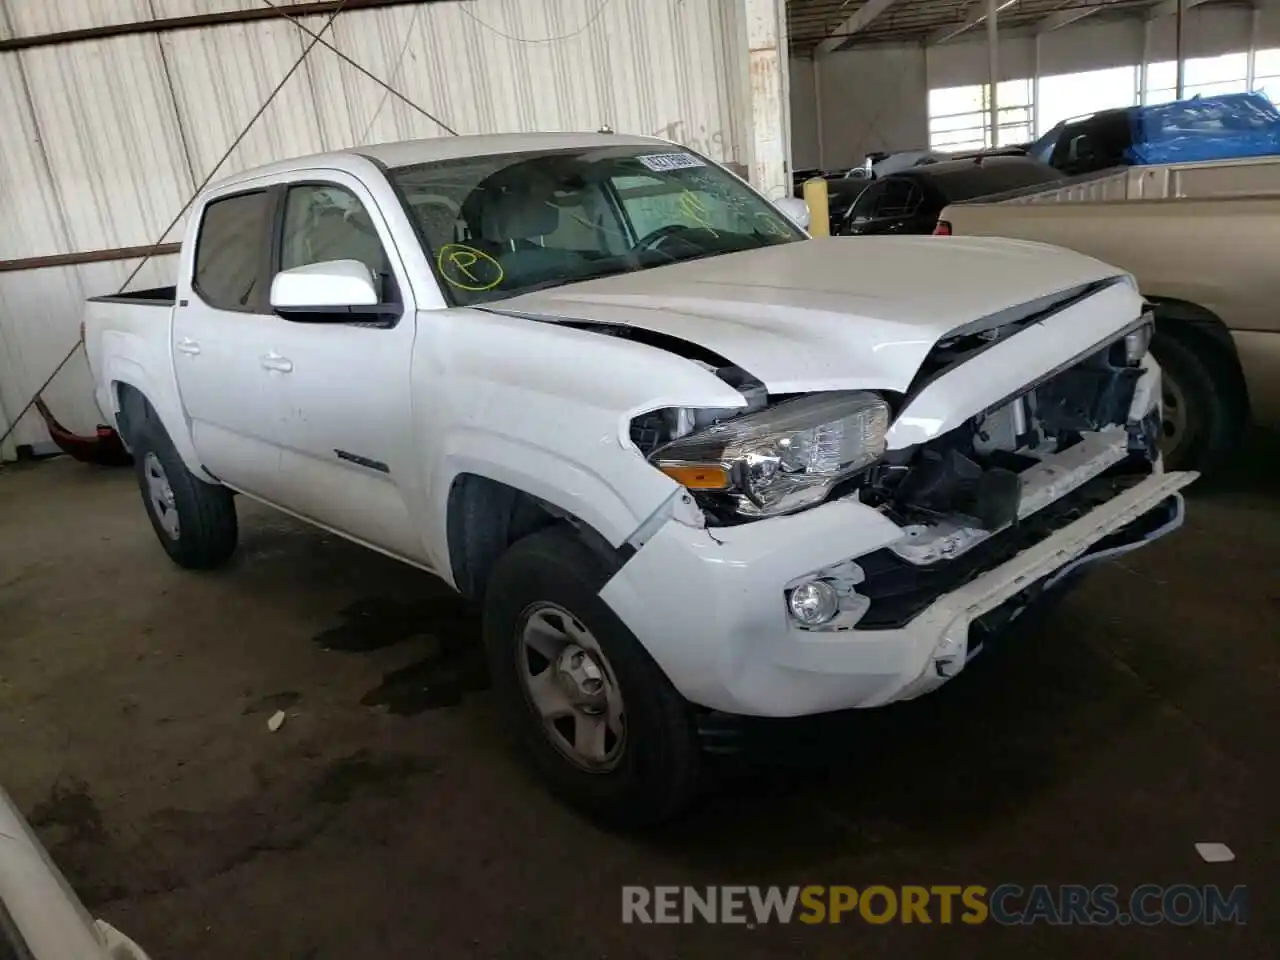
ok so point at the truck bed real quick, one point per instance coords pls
(1214, 178)
(156, 296)
(137, 325)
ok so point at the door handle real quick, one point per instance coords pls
(273, 361)
(187, 345)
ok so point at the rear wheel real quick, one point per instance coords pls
(195, 521)
(599, 719)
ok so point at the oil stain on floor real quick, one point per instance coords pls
(454, 668)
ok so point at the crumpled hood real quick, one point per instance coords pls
(840, 313)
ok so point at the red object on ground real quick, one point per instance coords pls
(105, 448)
(943, 229)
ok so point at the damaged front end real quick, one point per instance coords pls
(966, 500)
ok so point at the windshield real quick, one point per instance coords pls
(498, 226)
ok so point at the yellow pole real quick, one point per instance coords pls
(815, 195)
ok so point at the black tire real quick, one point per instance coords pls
(656, 775)
(1202, 377)
(207, 530)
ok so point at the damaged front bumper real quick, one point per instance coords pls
(709, 604)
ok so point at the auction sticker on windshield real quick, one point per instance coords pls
(661, 162)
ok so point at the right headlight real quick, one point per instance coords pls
(785, 457)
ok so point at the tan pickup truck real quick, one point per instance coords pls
(1210, 269)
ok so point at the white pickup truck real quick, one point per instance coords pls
(689, 459)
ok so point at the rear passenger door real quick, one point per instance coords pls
(341, 387)
(221, 329)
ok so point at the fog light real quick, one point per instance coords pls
(813, 603)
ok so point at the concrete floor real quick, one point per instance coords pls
(388, 817)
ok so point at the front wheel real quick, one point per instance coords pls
(599, 719)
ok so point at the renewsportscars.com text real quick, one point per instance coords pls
(1008, 904)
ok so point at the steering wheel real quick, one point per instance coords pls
(655, 238)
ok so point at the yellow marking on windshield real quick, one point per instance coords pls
(465, 267)
(771, 224)
(693, 208)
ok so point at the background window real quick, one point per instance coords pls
(230, 251)
(1069, 95)
(959, 116)
(1203, 76)
(1266, 73)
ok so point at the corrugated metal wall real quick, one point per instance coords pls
(106, 139)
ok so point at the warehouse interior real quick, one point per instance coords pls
(303, 752)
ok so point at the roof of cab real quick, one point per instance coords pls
(408, 152)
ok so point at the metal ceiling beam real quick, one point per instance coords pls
(855, 23)
(1169, 8)
(974, 14)
(167, 24)
(1062, 18)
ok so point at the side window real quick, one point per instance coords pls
(1078, 150)
(1042, 149)
(1114, 138)
(326, 222)
(865, 208)
(1062, 145)
(900, 199)
(231, 251)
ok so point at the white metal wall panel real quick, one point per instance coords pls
(31, 18)
(29, 203)
(113, 135)
(191, 8)
(39, 322)
(665, 67)
(112, 139)
(221, 77)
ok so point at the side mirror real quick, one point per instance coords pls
(795, 210)
(334, 289)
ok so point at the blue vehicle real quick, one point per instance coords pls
(1202, 128)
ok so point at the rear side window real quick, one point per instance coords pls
(864, 207)
(900, 199)
(1094, 144)
(231, 251)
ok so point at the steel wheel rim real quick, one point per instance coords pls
(160, 495)
(1174, 430)
(571, 687)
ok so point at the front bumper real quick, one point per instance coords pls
(708, 605)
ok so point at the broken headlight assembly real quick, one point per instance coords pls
(780, 459)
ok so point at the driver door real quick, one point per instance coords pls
(342, 388)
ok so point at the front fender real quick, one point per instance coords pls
(614, 507)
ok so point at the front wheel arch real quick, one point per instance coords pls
(486, 517)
